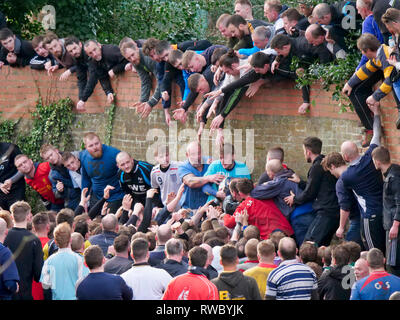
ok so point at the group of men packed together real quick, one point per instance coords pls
(120, 228)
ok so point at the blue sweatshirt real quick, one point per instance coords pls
(98, 173)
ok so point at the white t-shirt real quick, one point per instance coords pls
(147, 283)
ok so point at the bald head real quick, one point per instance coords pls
(273, 167)
(287, 248)
(193, 153)
(109, 222)
(124, 161)
(349, 151)
(163, 234)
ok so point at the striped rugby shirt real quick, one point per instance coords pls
(373, 65)
(291, 281)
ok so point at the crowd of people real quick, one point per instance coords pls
(118, 228)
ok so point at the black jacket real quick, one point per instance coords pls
(378, 8)
(81, 67)
(332, 284)
(38, 62)
(391, 196)
(236, 286)
(98, 70)
(24, 51)
(320, 188)
(29, 261)
(173, 267)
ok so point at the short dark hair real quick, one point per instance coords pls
(279, 41)
(5, 33)
(222, 233)
(36, 41)
(149, 45)
(67, 155)
(174, 56)
(228, 254)
(93, 256)
(354, 250)
(161, 46)
(40, 220)
(260, 59)
(121, 243)
(217, 54)
(313, 144)
(214, 241)
(368, 41)
(251, 232)
(236, 20)
(375, 258)
(308, 252)
(228, 59)
(20, 210)
(341, 255)
(244, 185)
(333, 159)
(193, 81)
(139, 248)
(291, 14)
(198, 256)
(82, 227)
(381, 154)
(71, 40)
(65, 215)
(211, 233)
(49, 37)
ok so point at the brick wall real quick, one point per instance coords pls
(268, 119)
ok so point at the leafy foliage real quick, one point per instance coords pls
(51, 124)
(19, 13)
(334, 75)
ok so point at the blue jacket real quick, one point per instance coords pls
(103, 240)
(71, 195)
(277, 189)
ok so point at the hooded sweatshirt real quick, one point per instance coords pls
(236, 286)
(331, 284)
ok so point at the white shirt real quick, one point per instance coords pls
(147, 283)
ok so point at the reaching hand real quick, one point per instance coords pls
(60, 186)
(127, 202)
(84, 199)
(65, 75)
(151, 192)
(110, 97)
(80, 105)
(290, 199)
(347, 89)
(295, 178)
(165, 95)
(303, 108)
(180, 114)
(107, 191)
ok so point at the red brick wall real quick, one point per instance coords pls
(21, 88)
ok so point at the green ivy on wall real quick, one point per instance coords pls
(51, 124)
